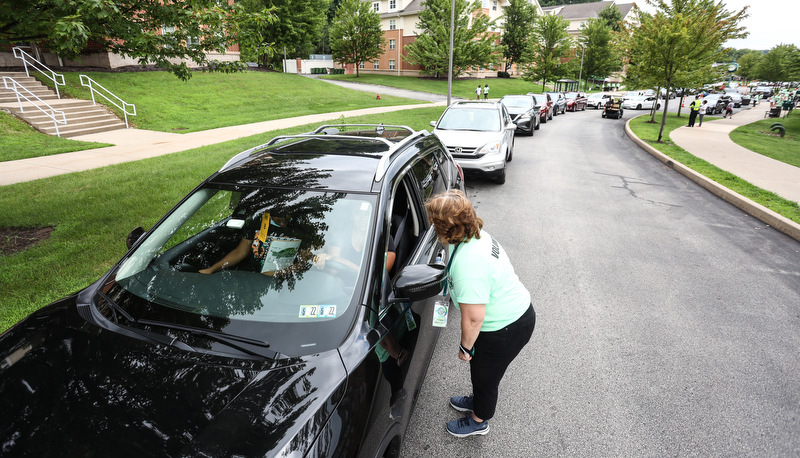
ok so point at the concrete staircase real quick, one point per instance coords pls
(82, 117)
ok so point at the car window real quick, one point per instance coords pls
(518, 102)
(463, 118)
(277, 282)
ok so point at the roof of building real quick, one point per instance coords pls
(585, 10)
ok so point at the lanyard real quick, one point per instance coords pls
(449, 262)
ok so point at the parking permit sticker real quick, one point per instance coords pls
(440, 314)
(317, 311)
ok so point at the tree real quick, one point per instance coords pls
(298, 28)
(152, 32)
(675, 46)
(520, 16)
(601, 57)
(748, 65)
(611, 16)
(779, 64)
(550, 43)
(473, 45)
(356, 34)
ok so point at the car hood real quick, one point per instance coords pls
(73, 389)
(467, 138)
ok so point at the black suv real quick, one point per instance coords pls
(311, 337)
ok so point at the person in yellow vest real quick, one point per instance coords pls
(694, 109)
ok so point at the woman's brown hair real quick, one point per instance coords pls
(453, 217)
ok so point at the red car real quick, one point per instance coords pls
(576, 101)
(545, 104)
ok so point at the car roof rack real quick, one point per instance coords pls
(392, 135)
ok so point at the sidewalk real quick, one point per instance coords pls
(711, 142)
(135, 144)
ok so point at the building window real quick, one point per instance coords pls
(376, 65)
(361, 65)
(391, 64)
(494, 5)
(391, 44)
(392, 5)
(376, 6)
(392, 24)
(582, 25)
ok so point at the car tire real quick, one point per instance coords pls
(544, 121)
(639, 107)
(530, 132)
(501, 179)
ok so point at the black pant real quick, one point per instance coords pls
(692, 117)
(494, 351)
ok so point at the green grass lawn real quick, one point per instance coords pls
(210, 100)
(649, 133)
(758, 137)
(93, 211)
(498, 87)
(206, 101)
(18, 140)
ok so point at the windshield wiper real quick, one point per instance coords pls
(117, 307)
(230, 340)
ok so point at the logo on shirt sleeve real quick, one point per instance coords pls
(495, 249)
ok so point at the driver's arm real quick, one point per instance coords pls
(231, 259)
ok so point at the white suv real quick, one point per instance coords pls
(479, 135)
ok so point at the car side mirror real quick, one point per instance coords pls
(418, 281)
(433, 123)
(134, 236)
(511, 126)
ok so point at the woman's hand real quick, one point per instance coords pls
(319, 260)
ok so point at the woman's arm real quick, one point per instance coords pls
(231, 259)
(471, 321)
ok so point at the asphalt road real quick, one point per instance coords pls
(668, 321)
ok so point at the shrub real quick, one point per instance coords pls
(502, 74)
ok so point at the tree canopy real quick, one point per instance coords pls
(550, 43)
(297, 29)
(519, 16)
(473, 45)
(611, 16)
(676, 45)
(601, 57)
(152, 32)
(355, 33)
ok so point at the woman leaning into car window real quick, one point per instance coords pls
(497, 317)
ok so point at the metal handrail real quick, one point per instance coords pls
(90, 83)
(51, 114)
(56, 78)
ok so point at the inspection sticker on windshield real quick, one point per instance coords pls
(317, 311)
(440, 314)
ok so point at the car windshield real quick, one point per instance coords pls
(277, 291)
(518, 102)
(571, 95)
(469, 118)
(596, 95)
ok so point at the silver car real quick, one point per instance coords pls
(479, 135)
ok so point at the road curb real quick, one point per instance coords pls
(754, 209)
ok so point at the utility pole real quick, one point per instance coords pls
(450, 66)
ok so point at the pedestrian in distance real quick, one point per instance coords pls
(478, 92)
(497, 317)
(694, 109)
(701, 112)
(486, 92)
(729, 110)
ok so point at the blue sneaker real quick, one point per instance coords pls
(466, 426)
(462, 403)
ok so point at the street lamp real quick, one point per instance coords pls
(580, 73)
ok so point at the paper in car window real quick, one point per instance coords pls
(280, 253)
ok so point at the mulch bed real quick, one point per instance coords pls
(16, 239)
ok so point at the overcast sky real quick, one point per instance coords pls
(771, 22)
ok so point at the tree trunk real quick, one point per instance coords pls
(664, 114)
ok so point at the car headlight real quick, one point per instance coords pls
(489, 148)
(525, 116)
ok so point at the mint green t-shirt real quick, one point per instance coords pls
(481, 273)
